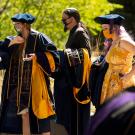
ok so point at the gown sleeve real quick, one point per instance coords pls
(47, 55)
(4, 53)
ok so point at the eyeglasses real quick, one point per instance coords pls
(64, 20)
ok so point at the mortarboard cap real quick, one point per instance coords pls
(110, 19)
(23, 17)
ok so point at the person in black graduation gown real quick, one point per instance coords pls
(97, 73)
(73, 115)
(20, 109)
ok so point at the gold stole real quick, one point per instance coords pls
(41, 102)
(86, 72)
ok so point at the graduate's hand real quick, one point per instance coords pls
(29, 57)
(16, 40)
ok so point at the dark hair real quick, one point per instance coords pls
(73, 12)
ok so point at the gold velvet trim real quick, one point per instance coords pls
(86, 72)
(41, 102)
(51, 61)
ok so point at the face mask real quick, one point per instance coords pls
(64, 21)
(65, 29)
(107, 34)
(19, 33)
(65, 25)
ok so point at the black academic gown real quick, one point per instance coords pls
(73, 115)
(97, 73)
(16, 90)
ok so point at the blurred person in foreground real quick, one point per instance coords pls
(115, 116)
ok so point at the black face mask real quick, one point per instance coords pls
(65, 25)
(65, 28)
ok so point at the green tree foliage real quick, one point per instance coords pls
(48, 15)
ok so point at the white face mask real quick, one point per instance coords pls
(18, 31)
(18, 27)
